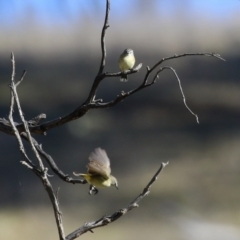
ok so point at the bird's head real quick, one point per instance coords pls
(114, 181)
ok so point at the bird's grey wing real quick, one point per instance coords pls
(100, 155)
(99, 163)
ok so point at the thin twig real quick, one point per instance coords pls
(181, 89)
(14, 93)
(187, 55)
(52, 163)
(55, 204)
(89, 226)
(103, 46)
(10, 116)
(99, 76)
(21, 79)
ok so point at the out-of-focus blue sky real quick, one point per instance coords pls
(46, 28)
(57, 11)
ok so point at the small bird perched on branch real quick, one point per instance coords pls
(126, 62)
(98, 171)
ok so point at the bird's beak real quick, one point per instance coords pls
(116, 186)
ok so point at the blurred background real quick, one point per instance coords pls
(197, 195)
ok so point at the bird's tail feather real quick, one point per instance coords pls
(85, 176)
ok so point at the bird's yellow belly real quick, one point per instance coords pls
(105, 183)
(126, 63)
(97, 181)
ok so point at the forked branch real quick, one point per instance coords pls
(91, 103)
(39, 170)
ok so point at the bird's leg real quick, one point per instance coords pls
(124, 77)
(93, 190)
(84, 181)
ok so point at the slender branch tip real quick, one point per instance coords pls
(165, 164)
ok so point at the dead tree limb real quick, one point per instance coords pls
(42, 172)
(92, 103)
(39, 170)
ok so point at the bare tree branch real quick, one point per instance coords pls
(42, 174)
(99, 78)
(103, 45)
(181, 89)
(15, 96)
(90, 103)
(10, 116)
(103, 221)
(40, 171)
(21, 79)
(51, 162)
